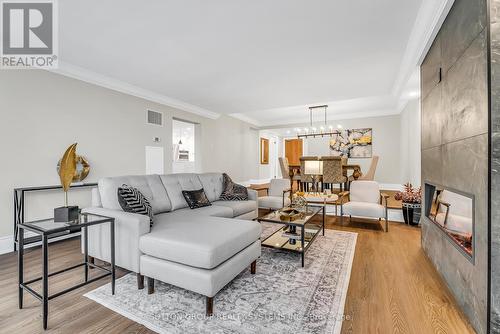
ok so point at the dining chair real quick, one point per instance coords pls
(370, 175)
(333, 172)
(305, 179)
(285, 171)
(365, 200)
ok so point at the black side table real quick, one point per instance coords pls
(47, 229)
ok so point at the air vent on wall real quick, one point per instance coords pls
(155, 118)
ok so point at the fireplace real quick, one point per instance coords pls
(453, 212)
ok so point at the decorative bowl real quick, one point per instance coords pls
(290, 214)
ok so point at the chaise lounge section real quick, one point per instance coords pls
(200, 250)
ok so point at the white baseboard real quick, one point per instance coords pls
(7, 242)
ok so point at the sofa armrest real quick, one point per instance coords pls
(129, 227)
(252, 194)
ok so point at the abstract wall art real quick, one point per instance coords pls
(352, 143)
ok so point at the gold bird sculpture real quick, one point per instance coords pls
(68, 169)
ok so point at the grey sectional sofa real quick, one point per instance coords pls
(196, 249)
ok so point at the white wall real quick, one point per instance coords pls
(42, 113)
(410, 142)
(386, 144)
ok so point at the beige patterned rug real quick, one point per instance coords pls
(281, 298)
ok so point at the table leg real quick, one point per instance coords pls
(86, 252)
(302, 239)
(112, 230)
(45, 281)
(20, 264)
(324, 214)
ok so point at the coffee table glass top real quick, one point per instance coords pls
(274, 217)
(320, 198)
(47, 226)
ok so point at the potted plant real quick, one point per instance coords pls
(412, 199)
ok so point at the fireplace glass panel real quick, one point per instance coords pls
(453, 212)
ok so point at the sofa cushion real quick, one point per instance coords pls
(196, 198)
(190, 214)
(149, 185)
(239, 207)
(132, 200)
(364, 209)
(232, 191)
(176, 183)
(204, 242)
(212, 184)
(273, 202)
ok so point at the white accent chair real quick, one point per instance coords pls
(365, 200)
(276, 195)
(454, 212)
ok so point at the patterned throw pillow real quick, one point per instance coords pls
(196, 198)
(232, 191)
(132, 200)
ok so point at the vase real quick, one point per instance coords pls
(411, 213)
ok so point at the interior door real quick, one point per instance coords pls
(293, 151)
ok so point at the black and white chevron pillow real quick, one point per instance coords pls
(232, 191)
(132, 200)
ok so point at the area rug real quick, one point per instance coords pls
(282, 297)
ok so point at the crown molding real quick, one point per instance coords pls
(91, 77)
(430, 17)
(247, 119)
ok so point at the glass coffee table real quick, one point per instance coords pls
(297, 235)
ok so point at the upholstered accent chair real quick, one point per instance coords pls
(370, 175)
(454, 212)
(278, 195)
(333, 171)
(305, 179)
(365, 200)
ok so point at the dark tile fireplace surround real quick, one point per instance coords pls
(460, 99)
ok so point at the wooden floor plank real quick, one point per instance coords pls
(393, 289)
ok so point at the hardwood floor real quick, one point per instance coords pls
(393, 289)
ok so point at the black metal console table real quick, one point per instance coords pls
(45, 229)
(19, 196)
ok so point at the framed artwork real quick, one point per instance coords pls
(264, 151)
(353, 143)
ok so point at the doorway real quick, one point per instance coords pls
(293, 151)
(183, 147)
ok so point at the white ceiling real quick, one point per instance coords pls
(262, 61)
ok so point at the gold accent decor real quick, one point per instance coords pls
(67, 169)
(82, 168)
(290, 214)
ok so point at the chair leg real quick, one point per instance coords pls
(210, 306)
(151, 285)
(253, 267)
(386, 225)
(140, 281)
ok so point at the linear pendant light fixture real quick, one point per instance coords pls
(314, 133)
